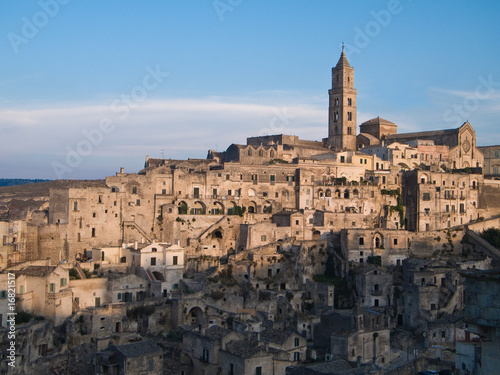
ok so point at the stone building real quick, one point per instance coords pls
(437, 200)
(359, 335)
(342, 110)
(432, 289)
(374, 286)
(202, 348)
(491, 161)
(481, 293)
(44, 290)
(143, 357)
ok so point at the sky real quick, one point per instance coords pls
(87, 87)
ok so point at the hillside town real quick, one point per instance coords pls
(361, 253)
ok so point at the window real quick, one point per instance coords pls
(138, 202)
(164, 191)
(153, 261)
(63, 282)
(342, 159)
(395, 241)
(426, 196)
(249, 152)
(296, 356)
(52, 288)
(349, 101)
(296, 341)
(227, 177)
(443, 334)
(272, 179)
(196, 192)
(97, 301)
(258, 370)
(231, 369)
(21, 289)
(263, 238)
(497, 154)
(151, 364)
(205, 355)
(349, 130)
(134, 190)
(75, 206)
(349, 116)
(175, 260)
(99, 200)
(93, 232)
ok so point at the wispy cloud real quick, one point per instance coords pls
(176, 128)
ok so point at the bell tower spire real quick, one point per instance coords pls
(342, 106)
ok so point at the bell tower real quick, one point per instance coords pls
(342, 107)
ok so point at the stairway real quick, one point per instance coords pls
(133, 224)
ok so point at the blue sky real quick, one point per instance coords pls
(87, 87)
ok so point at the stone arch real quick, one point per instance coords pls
(355, 193)
(337, 193)
(423, 178)
(252, 193)
(378, 240)
(115, 189)
(404, 166)
(183, 208)
(159, 276)
(321, 194)
(268, 207)
(252, 207)
(217, 209)
(199, 208)
(195, 317)
(272, 153)
(346, 194)
(328, 193)
(316, 235)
